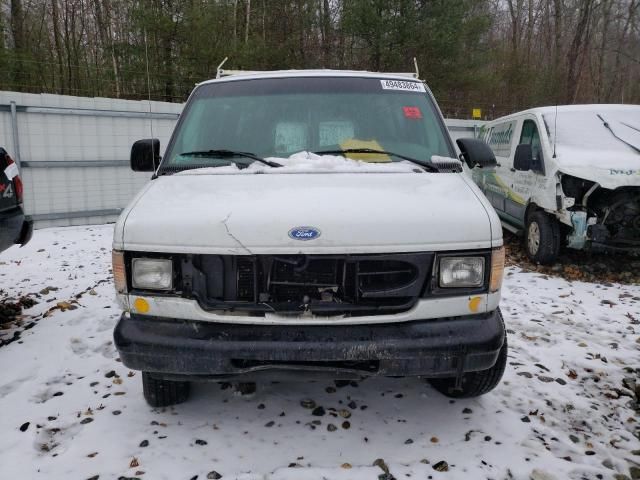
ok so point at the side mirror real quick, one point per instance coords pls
(476, 152)
(523, 159)
(145, 155)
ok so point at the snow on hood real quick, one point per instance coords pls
(586, 148)
(307, 162)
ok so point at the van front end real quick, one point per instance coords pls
(347, 316)
(313, 223)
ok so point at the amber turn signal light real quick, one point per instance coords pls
(119, 273)
(497, 269)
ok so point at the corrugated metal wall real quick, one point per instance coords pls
(74, 151)
(463, 128)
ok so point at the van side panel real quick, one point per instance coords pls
(494, 182)
(511, 191)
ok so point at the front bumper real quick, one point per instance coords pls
(15, 228)
(438, 347)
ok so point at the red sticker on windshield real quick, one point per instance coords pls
(412, 112)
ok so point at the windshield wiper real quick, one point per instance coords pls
(423, 163)
(608, 127)
(230, 154)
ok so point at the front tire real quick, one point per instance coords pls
(474, 384)
(542, 238)
(163, 393)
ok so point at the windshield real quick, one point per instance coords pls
(615, 130)
(279, 117)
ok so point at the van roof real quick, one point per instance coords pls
(571, 108)
(237, 75)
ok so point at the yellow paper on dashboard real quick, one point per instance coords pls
(365, 157)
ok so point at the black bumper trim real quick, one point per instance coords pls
(15, 228)
(604, 247)
(26, 232)
(419, 348)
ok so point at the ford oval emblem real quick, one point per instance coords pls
(304, 233)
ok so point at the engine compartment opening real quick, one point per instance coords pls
(617, 212)
(320, 284)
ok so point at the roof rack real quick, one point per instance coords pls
(227, 73)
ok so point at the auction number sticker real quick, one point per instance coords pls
(402, 85)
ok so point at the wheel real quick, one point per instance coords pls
(163, 393)
(474, 384)
(542, 238)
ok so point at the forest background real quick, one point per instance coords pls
(497, 55)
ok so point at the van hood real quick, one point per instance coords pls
(244, 214)
(609, 170)
(600, 143)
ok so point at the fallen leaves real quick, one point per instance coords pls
(379, 462)
(61, 306)
(307, 403)
(11, 310)
(577, 265)
(441, 466)
(318, 412)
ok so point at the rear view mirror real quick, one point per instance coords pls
(523, 158)
(145, 155)
(476, 152)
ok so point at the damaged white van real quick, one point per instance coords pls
(314, 223)
(567, 176)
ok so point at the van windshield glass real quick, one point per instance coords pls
(278, 117)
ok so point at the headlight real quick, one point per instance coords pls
(152, 273)
(461, 272)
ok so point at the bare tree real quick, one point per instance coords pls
(580, 37)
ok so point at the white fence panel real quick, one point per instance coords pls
(463, 128)
(73, 152)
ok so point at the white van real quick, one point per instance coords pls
(313, 222)
(566, 176)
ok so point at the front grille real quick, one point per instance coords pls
(245, 279)
(383, 277)
(296, 278)
(321, 284)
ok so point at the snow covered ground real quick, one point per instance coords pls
(562, 411)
